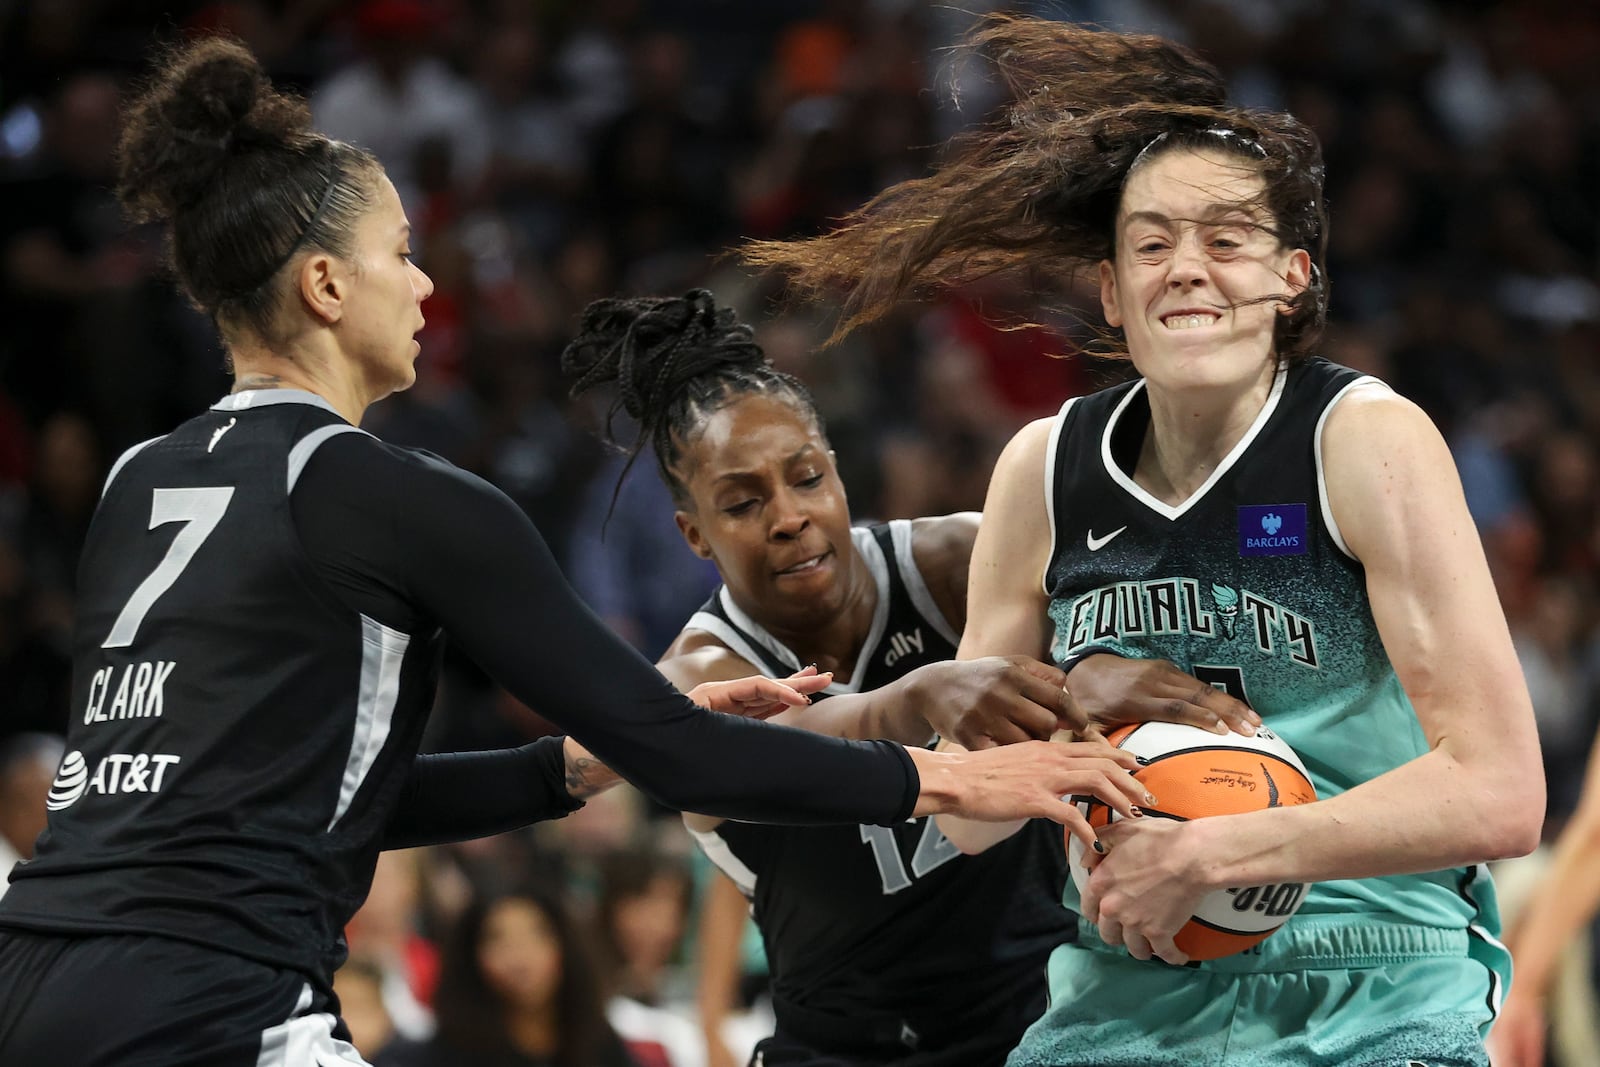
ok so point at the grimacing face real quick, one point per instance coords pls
(768, 508)
(1199, 280)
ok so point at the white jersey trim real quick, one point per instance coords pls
(260, 398)
(303, 449)
(306, 1039)
(1051, 465)
(383, 653)
(122, 461)
(868, 547)
(916, 586)
(718, 627)
(1168, 511)
(718, 852)
(1316, 445)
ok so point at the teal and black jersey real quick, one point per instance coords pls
(1250, 586)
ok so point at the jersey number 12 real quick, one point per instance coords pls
(934, 850)
(200, 510)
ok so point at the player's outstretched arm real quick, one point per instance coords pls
(1563, 904)
(475, 564)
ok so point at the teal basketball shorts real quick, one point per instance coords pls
(1321, 992)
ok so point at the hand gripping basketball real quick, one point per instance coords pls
(1196, 774)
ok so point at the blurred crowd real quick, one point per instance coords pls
(550, 152)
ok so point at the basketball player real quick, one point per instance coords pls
(885, 944)
(262, 597)
(1268, 521)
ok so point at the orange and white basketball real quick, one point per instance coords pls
(1194, 773)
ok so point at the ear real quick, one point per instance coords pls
(1108, 293)
(1297, 275)
(324, 283)
(691, 534)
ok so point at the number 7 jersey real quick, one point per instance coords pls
(237, 733)
(1247, 585)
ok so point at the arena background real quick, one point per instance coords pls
(552, 152)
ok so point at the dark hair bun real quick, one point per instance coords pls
(208, 104)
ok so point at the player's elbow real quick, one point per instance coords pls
(1516, 825)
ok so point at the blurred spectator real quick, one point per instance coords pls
(400, 102)
(518, 988)
(359, 986)
(628, 560)
(28, 765)
(387, 934)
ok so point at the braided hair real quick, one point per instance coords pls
(673, 361)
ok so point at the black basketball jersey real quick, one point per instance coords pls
(235, 727)
(869, 923)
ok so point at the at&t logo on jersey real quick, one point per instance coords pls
(1272, 530)
(119, 772)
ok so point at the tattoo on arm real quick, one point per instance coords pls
(585, 775)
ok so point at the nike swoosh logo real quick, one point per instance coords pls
(1097, 543)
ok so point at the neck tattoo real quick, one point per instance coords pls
(257, 381)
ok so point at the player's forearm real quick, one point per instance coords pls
(585, 776)
(885, 714)
(1432, 813)
(722, 923)
(456, 796)
(1565, 902)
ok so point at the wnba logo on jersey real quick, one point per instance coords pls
(120, 772)
(1272, 530)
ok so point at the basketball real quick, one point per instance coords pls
(1194, 773)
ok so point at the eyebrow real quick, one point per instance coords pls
(738, 476)
(1213, 213)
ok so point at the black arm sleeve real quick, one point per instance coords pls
(387, 523)
(454, 796)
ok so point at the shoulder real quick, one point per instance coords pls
(942, 543)
(361, 466)
(696, 656)
(1386, 467)
(941, 549)
(1366, 419)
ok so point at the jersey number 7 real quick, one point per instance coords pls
(200, 510)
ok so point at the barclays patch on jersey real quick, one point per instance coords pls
(1272, 530)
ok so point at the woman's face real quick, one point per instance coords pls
(1198, 280)
(767, 506)
(383, 310)
(647, 927)
(520, 954)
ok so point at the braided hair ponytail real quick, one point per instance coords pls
(673, 361)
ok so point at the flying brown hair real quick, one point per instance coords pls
(1040, 187)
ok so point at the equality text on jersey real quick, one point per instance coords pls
(135, 690)
(1164, 607)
